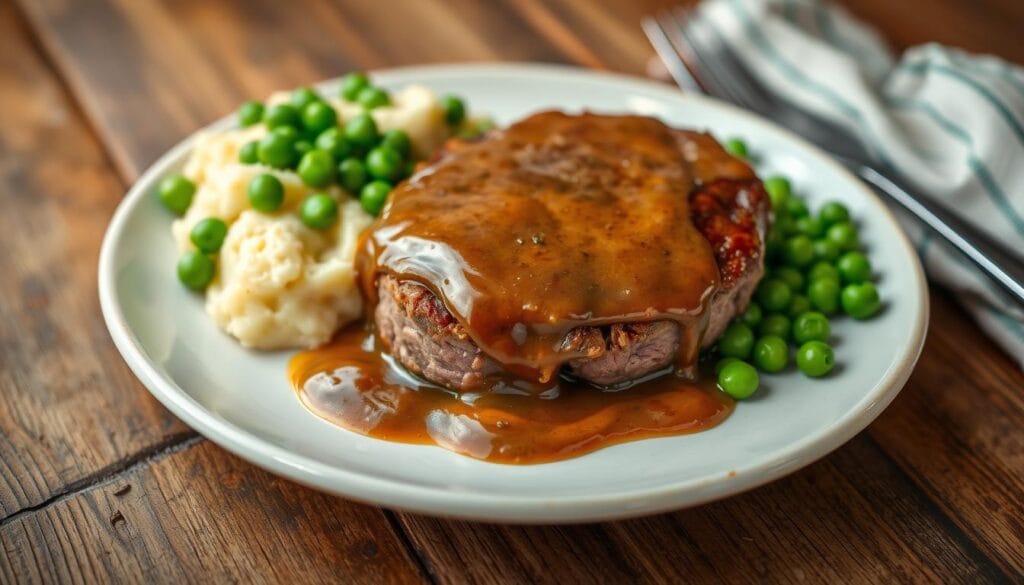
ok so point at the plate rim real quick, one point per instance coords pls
(394, 494)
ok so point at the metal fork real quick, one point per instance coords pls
(677, 34)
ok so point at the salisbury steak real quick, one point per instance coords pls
(604, 247)
(424, 336)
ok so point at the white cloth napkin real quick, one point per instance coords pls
(952, 122)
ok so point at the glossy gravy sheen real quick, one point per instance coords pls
(354, 385)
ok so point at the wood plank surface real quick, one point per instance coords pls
(197, 60)
(199, 514)
(76, 428)
(956, 431)
(983, 26)
(854, 517)
(931, 492)
(70, 410)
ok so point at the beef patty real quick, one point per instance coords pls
(727, 207)
(425, 338)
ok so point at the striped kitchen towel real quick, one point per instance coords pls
(952, 122)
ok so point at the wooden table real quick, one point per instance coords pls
(98, 482)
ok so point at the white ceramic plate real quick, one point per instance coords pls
(242, 401)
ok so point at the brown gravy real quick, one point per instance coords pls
(352, 384)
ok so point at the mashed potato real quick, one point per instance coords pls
(279, 283)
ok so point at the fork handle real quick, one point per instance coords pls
(991, 257)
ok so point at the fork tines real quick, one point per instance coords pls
(685, 40)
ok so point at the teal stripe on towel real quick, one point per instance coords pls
(1008, 322)
(797, 76)
(991, 98)
(977, 166)
(1001, 70)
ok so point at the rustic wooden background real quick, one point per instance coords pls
(99, 483)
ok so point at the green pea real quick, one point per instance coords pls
(810, 226)
(289, 132)
(249, 153)
(281, 115)
(316, 168)
(825, 249)
(844, 236)
(773, 294)
(815, 359)
(176, 192)
(775, 324)
(791, 276)
(799, 304)
(775, 247)
(374, 195)
(739, 380)
(796, 208)
(736, 147)
(352, 84)
(398, 140)
(318, 211)
(771, 353)
(250, 113)
(361, 130)
(786, 226)
(373, 97)
(724, 362)
(266, 193)
(799, 251)
(302, 97)
(352, 174)
(333, 141)
(778, 189)
(753, 315)
(195, 270)
(277, 150)
(832, 213)
(318, 116)
(822, 270)
(854, 267)
(811, 326)
(861, 300)
(737, 341)
(824, 295)
(208, 234)
(454, 109)
(301, 148)
(384, 163)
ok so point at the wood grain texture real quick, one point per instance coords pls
(956, 431)
(198, 514)
(931, 492)
(984, 26)
(150, 73)
(69, 408)
(853, 517)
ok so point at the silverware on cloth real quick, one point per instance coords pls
(700, 56)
